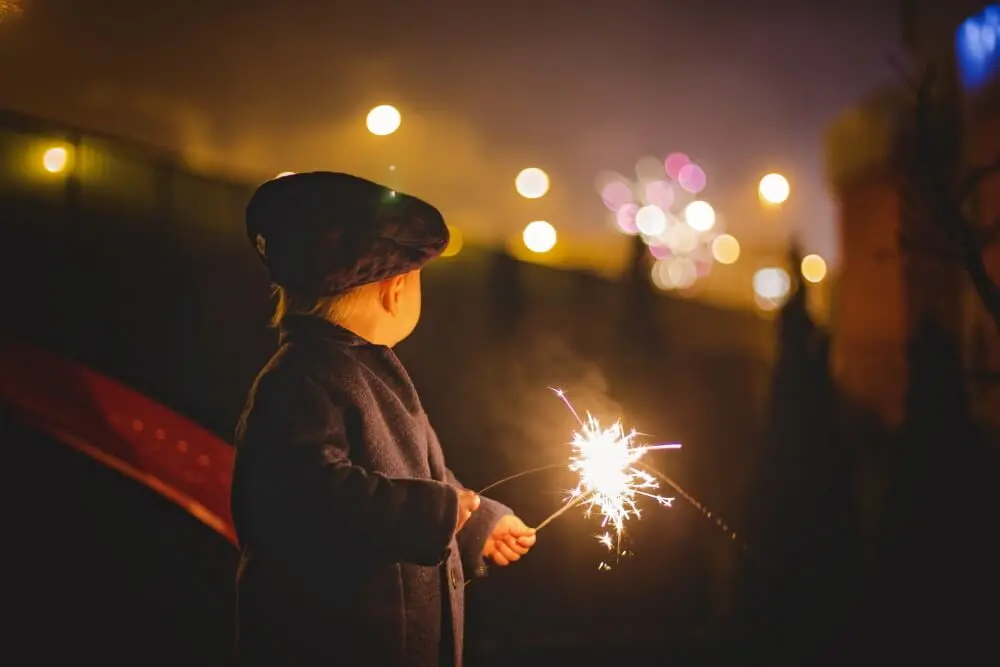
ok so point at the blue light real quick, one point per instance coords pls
(977, 47)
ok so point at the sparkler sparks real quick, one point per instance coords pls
(610, 483)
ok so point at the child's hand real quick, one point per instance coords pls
(509, 540)
(468, 502)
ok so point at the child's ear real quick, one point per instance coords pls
(394, 293)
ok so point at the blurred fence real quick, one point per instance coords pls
(127, 261)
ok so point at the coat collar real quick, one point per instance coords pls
(295, 327)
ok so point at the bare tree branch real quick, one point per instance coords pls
(976, 177)
(939, 188)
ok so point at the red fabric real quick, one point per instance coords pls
(122, 429)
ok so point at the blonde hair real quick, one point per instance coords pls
(336, 309)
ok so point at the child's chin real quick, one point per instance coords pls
(403, 334)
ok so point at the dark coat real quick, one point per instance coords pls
(345, 512)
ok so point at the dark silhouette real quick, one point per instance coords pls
(506, 292)
(810, 522)
(937, 560)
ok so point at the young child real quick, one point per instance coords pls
(354, 534)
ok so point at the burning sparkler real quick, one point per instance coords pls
(610, 481)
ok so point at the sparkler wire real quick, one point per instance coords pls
(523, 473)
(573, 502)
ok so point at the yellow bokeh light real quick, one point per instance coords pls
(699, 215)
(774, 189)
(383, 120)
(539, 236)
(532, 183)
(55, 159)
(454, 242)
(675, 273)
(725, 249)
(813, 268)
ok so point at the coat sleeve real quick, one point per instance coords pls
(472, 538)
(297, 448)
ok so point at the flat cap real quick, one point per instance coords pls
(322, 233)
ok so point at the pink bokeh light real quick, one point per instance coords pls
(625, 218)
(616, 194)
(660, 251)
(674, 163)
(660, 194)
(692, 178)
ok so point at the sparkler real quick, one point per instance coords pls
(611, 482)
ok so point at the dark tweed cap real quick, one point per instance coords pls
(322, 233)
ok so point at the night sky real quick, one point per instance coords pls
(485, 88)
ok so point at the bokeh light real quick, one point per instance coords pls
(383, 120)
(532, 183)
(692, 178)
(55, 159)
(766, 304)
(454, 242)
(659, 275)
(774, 189)
(539, 236)
(679, 230)
(674, 273)
(682, 272)
(813, 268)
(699, 215)
(659, 250)
(660, 193)
(725, 249)
(650, 169)
(771, 283)
(616, 194)
(674, 163)
(625, 218)
(681, 239)
(651, 220)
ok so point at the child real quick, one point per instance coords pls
(354, 534)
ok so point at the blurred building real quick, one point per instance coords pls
(883, 293)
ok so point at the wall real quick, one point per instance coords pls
(870, 323)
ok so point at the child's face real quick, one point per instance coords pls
(405, 304)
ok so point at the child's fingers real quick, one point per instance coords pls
(526, 541)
